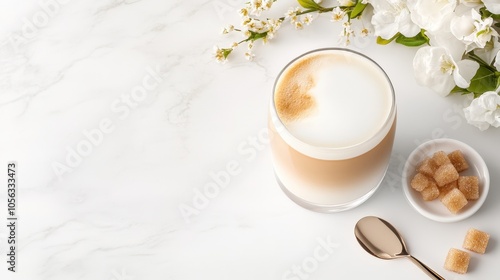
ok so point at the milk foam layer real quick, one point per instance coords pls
(333, 99)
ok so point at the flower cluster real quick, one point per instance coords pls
(459, 48)
(252, 27)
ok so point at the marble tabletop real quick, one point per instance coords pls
(117, 117)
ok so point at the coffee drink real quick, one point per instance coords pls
(332, 121)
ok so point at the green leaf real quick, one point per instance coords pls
(358, 9)
(382, 41)
(256, 36)
(226, 52)
(484, 80)
(414, 41)
(310, 5)
(457, 89)
(486, 14)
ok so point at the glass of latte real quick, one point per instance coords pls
(332, 124)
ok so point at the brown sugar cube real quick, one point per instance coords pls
(440, 158)
(431, 192)
(458, 160)
(419, 182)
(454, 200)
(469, 186)
(445, 174)
(457, 261)
(476, 241)
(427, 167)
(447, 188)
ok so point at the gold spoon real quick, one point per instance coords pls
(383, 241)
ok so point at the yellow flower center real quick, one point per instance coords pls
(447, 66)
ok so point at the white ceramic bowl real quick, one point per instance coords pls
(435, 210)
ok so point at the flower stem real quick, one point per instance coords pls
(479, 60)
(324, 10)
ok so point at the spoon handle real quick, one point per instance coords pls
(426, 269)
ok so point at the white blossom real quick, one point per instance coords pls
(221, 54)
(471, 29)
(471, 3)
(346, 33)
(492, 6)
(267, 4)
(246, 20)
(391, 17)
(462, 27)
(434, 67)
(484, 111)
(273, 26)
(366, 25)
(292, 13)
(295, 19)
(497, 61)
(243, 12)
(249, 55)
(484, 30)
(444, 38)
(337, 14)
(489, 52)
(431, 14)
(307, 19)
(346, 3)
(255, 7)
(298, 24)
(227, 29)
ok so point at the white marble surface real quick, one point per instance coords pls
(112, 211)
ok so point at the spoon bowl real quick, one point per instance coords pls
(382, 240)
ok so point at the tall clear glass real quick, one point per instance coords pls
(332, 124)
